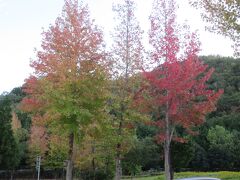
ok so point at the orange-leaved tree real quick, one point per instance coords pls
(68, 87)
(175, 90)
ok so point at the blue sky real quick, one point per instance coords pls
(21, 23)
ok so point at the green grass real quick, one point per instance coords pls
(223, 175)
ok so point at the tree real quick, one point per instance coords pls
(127, 55)
(21, 123)
(134, 162)
(67, 89)
(226, 116)
(57, 152)
(223, 17)
(98, 150)
(181, 154)
(236, 149)
(221, 148)
(9, 150)
(37, 144)
(176, 88)
(225, 76)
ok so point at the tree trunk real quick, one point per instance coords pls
(172, 171)
(118, 173)
(93, 160)
(69, 173)
(12, 174)
(107, 165)
(94, 168)
(167, 154)
(167, 162)
(118, 164)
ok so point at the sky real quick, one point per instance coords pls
(22, 21)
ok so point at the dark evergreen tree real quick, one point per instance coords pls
(9, 151)
(22, 133)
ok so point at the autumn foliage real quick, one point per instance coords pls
(71, 59)
(179, 89)
(176, 86)
(175, 90)
(69, 89)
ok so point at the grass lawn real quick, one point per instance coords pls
(223, 175)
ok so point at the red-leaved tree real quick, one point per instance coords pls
(175, 90)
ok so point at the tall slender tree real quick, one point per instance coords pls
(127, 53)
(175, 89)
(67, 88)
